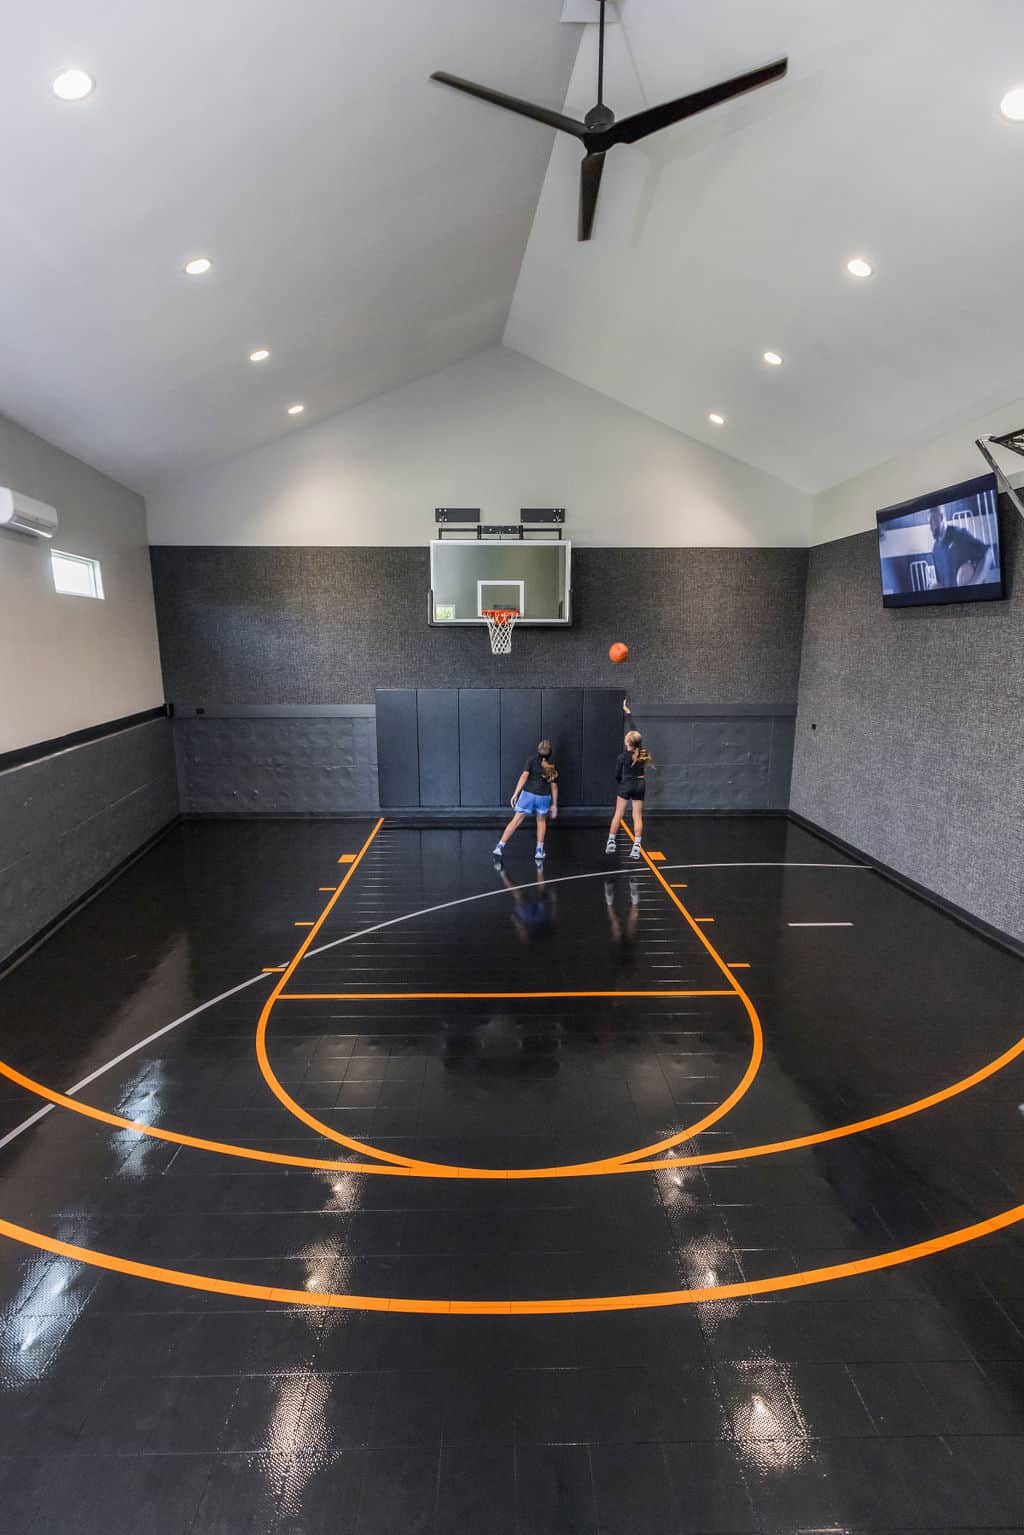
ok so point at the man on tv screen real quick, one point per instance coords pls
(960, 559)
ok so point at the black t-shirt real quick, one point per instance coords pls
(956, 547)
(629, 774)
(537, 782)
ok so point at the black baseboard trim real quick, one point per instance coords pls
(413, 816)
(25, 754)
(957, 913)
(17, 956)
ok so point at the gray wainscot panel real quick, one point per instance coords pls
(67, 820)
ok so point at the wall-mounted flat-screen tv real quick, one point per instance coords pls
(943, 547)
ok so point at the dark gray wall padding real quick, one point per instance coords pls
(446, 747)
(67, 820)
(709, 627)
(297, 766)
(918, 754)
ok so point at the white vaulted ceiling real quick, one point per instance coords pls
(369, 227)
(362, 225)
(728, 236)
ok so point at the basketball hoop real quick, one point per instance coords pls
(500, 623)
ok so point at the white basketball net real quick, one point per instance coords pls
(500, 623)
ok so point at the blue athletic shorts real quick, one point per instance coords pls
(534, 804)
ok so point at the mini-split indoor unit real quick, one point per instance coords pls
(22, 514)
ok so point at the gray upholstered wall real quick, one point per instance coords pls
(299, 763)
(708, 627)
(300, 632)
(910, 732)
(721, 762)
(68, 819)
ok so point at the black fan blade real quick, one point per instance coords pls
(591, 171)
(513, 104)
(641, 124)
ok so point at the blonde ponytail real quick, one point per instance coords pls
(635, 745)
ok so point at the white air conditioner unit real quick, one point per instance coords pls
(24, 515)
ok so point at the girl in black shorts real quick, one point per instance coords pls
(631, 785)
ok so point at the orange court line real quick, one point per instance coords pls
(427, 1170)
(327, 889)
(679, 887)
(567, 1170)
(704, 919)
(273, 969)
(452, 1307)
(611, 1167)
(179, 1138)
(738, 965)
(263, 1060)
(303, 924)
(470, 996)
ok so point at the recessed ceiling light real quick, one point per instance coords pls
(197, 267)
(858, 267)
(73, 85)
(715, 418)
(773, 359)
(260, 355)
(1012, 104)
(296, 410)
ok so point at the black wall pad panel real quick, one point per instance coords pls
(520, 732)
(561, 713)
(398, 747)
(604, 725)
(479, 735)
(780, 769)
(437, 713)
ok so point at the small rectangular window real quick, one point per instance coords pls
(76, 576)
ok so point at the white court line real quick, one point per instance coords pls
(409, 916)
(132, 1050)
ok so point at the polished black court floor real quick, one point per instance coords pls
(409, 1344)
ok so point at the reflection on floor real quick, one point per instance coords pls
(888, 1399)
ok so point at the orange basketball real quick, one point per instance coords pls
(618, 652)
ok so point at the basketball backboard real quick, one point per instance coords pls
(468, 576)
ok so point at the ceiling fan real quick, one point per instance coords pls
(599, 132)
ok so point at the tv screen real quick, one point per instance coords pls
(943, 547)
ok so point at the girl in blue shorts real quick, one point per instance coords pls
(536, 794)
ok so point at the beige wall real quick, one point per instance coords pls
(70, 662)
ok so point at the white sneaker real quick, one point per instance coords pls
(539, 856)
(499, 851)
(610, 845)
(634, 851)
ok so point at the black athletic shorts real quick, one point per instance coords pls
(637, 791)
